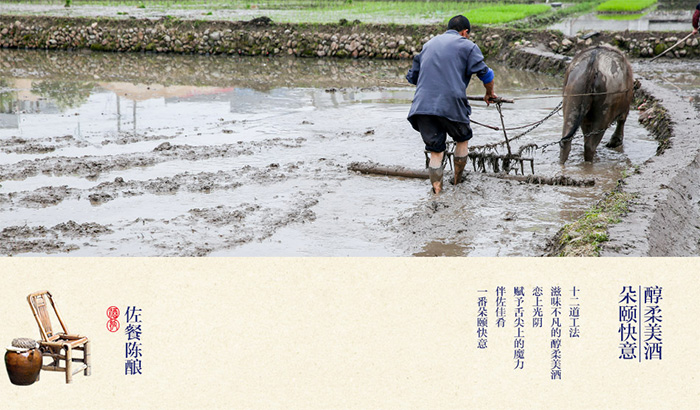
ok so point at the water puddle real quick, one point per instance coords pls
(155, 155)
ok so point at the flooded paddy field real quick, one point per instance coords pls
(168, 155)
(666, 15)
(682, 78)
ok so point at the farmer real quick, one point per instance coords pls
(696, 19)
(441, 73)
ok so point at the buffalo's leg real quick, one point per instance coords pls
(592, 136)
(564, 150)
(618, 135)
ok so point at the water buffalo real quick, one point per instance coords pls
(598, 89)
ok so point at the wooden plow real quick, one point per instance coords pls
(398, 171)
(485, 158)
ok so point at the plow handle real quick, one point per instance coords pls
(497, 100)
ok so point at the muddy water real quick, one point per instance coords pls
(682, 77)
(143, 155)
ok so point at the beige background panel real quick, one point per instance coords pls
(350, 333)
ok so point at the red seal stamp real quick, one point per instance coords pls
(113, 312)
(113, 323)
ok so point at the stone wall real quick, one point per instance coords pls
(263, 37)
(259, 37)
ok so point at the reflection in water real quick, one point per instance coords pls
(65, 94)
(134, 72)
(434, 248)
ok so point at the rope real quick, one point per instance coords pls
(535, 124)
(569, 95)
(503, 124)
(532, 126)
(24, 343)
(549, 144)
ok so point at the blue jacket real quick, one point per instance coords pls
(442, 72)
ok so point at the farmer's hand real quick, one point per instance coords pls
(490, 97)
(490, 93)
(695, 31)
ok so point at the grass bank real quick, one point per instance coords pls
(585, 236)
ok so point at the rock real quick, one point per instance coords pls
(659, 48)
(163, 147)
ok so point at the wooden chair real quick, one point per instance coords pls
(59, 346)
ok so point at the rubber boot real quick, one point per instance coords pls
(459, 164)
(435, 175)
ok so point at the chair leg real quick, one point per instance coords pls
(87, 358)
(69, 364)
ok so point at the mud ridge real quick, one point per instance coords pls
(18, 145)
(536, 59)
(203, 182)
(39, 239)
(664, 217)
(227, 227)
(92, 166)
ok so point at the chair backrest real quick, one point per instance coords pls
(39, 302)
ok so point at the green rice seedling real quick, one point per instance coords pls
(625, 6)
(635, 16)
(504, 13)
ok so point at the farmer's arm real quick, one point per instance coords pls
(490, 94)
(483, 72)
(412, 75)
(696, 19)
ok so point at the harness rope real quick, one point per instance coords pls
(449, 152)
(536, 124)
